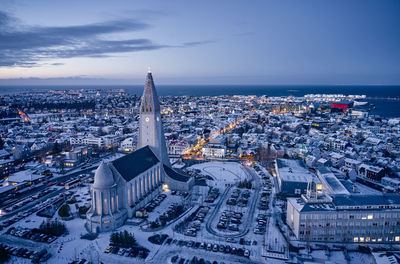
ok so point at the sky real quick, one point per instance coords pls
(333, 42)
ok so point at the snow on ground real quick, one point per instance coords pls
(71, 246)
(222, 172)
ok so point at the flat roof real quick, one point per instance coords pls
(294, 171)
(366, 199)
(330, 179)
(340, 200)
(24, 176)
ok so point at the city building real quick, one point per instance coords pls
(361, 218)
(293, 177)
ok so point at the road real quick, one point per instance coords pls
(56, 180)
(275, 240)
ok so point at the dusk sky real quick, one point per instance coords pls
(200, 42)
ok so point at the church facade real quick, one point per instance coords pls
(123, 186)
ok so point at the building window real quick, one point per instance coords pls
(98, 204)
(105, 206)
(117, 201)
(112, 205)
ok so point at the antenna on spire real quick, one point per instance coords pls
(148, 70)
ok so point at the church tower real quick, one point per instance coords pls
(151, 131)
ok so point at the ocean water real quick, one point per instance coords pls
(385, 98)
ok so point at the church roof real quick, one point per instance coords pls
(175, 175)
(133, 164)
(103, 177)
(149, 96)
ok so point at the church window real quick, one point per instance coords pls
(141, 188)
(98, 205)
(133, 192)
(152, 178)
(149, 181)
(112, 205)
(117, 201)
(147, 107)
(129, 196)
(105, 206)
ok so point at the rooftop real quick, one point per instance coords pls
(135, 163)
(293, 171)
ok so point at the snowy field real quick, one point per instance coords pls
(222, 172)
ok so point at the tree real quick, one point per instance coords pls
(123, 239)
(56, 148)
(64, 211)
(83, 210)
(1, 143)
(54, 228)
(154, 225)
(4, 257)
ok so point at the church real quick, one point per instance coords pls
(123, 186)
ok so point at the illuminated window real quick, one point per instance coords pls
(370, 216)
(117, 201)
(98, 204)
(397, 238)
(105, 206)
(355, 239)
(112, 204)
(361, 239)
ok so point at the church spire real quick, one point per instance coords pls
(151, 132)
(149, 101)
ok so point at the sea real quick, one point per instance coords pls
(385, 98)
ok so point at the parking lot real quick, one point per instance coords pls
(211, 247)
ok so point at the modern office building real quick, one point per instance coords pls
(345, 218)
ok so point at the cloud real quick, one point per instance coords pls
(27, 46)
(196, 43)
